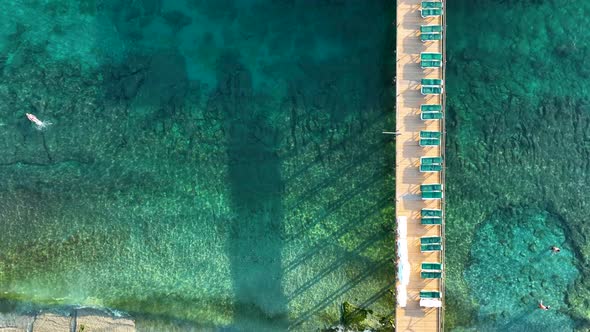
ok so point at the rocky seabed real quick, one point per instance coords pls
(76, 320)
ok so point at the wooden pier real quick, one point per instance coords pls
(409, 202)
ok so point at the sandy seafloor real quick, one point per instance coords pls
(221, 164)
(210, 164)
(518, 159)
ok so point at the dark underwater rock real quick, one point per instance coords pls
(353, 316)
(356, 318)
(176, 20)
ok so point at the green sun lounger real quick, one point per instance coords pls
(431, 187)
(431, 115)
(431, 81)
(431, 275)
(429, 138)
(430, 168)
(431, 266)
(431, 56)
(431, 112)
(431, 86)
(431, 160)
(431, 213)
(431, 90)
(430, 247)
(429, 142)
(432, 195)
(429, 134)
(431, 191)
(430, 240)
(430, 64)
(434, 12)
(431, 108)
(429, 295)
(430, 36)
(431, 28)
(430, 164)
(431, 221)
(432, 4)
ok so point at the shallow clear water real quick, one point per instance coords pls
(210, 163)
(511, 270)
(517, 156)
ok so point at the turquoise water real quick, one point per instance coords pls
(511, 269)
(220, 164)
(518, 148)
(210, 164)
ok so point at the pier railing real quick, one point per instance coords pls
(443, 128)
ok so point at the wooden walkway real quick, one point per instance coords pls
(408, 152)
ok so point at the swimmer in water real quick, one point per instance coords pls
(543, 307)
(40, 125)
(555, 249)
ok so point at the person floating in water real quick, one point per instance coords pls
(40, 125)
(555, 249)
(543, 307)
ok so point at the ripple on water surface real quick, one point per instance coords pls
(215, 163)
(512, 269)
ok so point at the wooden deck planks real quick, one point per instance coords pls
(408, 152)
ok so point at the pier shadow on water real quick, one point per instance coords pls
(255, 242)
(190, 199)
